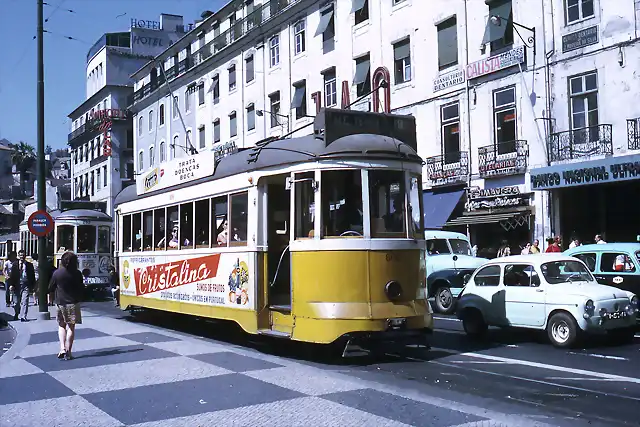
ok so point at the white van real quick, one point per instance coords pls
(449, 259)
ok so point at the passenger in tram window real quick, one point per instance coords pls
(223, 233)
(394, 222)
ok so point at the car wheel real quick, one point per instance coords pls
(562, 330)
(473, 323)
(622, 336)
(445, 303)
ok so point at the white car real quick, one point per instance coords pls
(552, 292)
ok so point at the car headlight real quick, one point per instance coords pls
(634, 300)
(589, 309)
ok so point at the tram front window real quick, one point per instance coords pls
(86, 239)
(305, 205)
(387, 203)
(65, 238)
(342, 203)
(104, 239)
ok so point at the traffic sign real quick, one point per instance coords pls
(40, 223)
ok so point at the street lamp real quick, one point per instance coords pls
(530, 42)
(261, 113)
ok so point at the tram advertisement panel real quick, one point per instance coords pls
(213, 279)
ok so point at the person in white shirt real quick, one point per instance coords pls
(599, 240)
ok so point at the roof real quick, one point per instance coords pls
(80, 214)
(308, 148)
(13, 236)
(439, 234)
(622, 246)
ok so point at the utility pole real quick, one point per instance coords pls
(43, 260)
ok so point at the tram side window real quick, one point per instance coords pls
(186, 226)
(305, 204)
(66, 236)
(86, 239)
(147, 230)
(238, 224)
(137, 232)
(342, 203)
(415, 207)
(172, 241)
(159, 228)
(202, 223)
(387, 203)
(126, 233)
(219, 221)
(104, 239)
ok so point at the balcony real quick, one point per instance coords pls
(503, 158)
(633, 132)
(592, 141)
(448, 168)
(90, 127)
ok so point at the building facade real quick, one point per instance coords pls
(499, 89)
(101, 137)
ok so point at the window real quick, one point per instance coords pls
(387, 204)
(326, 27)
(126, 233)
(450, 127)
(447, 43)
(395, 2)
(274, 101)
(233, 126)
(203, 222)
(556, 272)
(216, 89)
(616, 263)
(299, 36)
(105, 176)
(186, 226)
(360, 10)
(402, 61)
(172, 240)
(299, 102)
(176, 105)
(504, 116)
(330, 88)
(104, 239)
(176, 143)
(92, 183)
(163, 152)
(201, 93)
(362, 78)
(202, 141)
(274, 51)
(161, 115)
(251, 117)
(488, 276)
(249, 71)
(499, 29)
(305, 204)
(219, 221)
(150, 120)
(140, 161)
(86, 239)
(216, 130)
(187, 100)
(152, 157)
(589, 259)
(66, 236)
(140, 126)
(98, 180)
(577, 10)
(159, 228)
(342, 203)
(232, 78)
(520, 275)
(437, 247)
(147, 230)
(583, 92)
(238, 225)
(416, 211)
(460, 247)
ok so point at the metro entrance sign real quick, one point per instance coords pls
(40, 223)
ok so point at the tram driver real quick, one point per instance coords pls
(394, 221)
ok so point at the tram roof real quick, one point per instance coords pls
(12, 236)
(72, 214)
(308, 148)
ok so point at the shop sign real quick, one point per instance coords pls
(495, 198)
(448, 80)
(147, 25)
(177, 171)
(580, 39)
(481, 193)
(611, 169)
(111, 113)
(496, 63)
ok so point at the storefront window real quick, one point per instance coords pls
(387, 204)
(342, 203)
(415, 207)
(104, 239)
(66, 235)
(86, 239)
(460, 247)
(305, 204)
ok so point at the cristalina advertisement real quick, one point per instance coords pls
(214, 279)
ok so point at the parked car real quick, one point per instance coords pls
(449, 259)
(552, 292)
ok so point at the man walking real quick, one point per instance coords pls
(23, 278)
(6, 270)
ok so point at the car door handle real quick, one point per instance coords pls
(539, 290)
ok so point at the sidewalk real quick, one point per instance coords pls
(134, 375)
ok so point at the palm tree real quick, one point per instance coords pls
(23, 157)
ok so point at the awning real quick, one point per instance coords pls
(438, 207)
(298, 96)
(489, 218)
(494, 32)
(325, 18)
(357, 5)
(362, 71)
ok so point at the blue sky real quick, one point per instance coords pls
(64, 59)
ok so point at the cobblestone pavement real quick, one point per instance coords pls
(134, 375)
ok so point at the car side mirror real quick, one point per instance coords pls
(466, 278)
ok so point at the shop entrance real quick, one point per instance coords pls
(489, 237)
(609, 209)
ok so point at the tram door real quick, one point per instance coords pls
(279, 256)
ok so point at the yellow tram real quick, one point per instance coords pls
(315, 239)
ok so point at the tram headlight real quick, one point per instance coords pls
(393, 290)
(86, 272)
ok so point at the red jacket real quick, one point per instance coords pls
(553, 248)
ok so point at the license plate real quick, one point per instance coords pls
(615, 315)
(396, 323)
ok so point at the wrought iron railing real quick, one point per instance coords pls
(448, 168)
(633, 132)
(503, 158)
(580, 143)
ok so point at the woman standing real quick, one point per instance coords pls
(67, 284)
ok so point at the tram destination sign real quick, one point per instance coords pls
(178, 171)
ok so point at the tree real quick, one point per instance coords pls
(23, 158)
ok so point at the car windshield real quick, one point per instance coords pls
(460, 247)
(638, 256)
(565, 271)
